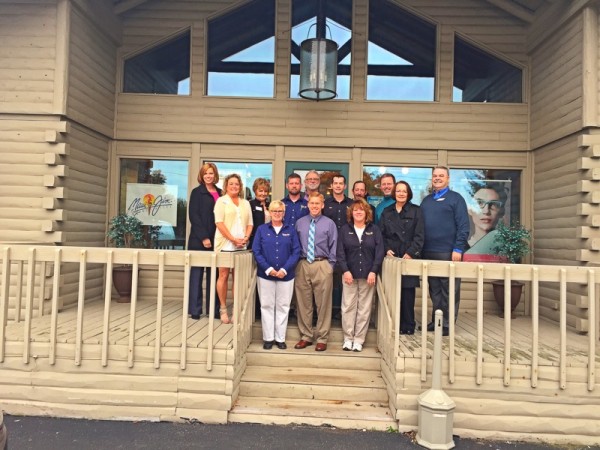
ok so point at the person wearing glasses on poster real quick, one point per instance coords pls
(486, 209)
(276, 249)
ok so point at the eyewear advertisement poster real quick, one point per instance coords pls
(153, 204)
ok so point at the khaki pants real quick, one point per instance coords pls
(314, 279)
(357, 302)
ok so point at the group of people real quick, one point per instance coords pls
(306, 246)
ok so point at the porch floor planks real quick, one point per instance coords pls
(493, 342)
(145, 329)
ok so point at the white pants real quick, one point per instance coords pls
(275, 299)
(357, 300)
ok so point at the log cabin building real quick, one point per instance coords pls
(96, 95)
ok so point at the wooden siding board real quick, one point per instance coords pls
(26, 33)
(92, 70)
(557, 85)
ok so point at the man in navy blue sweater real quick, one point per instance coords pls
(446, 232)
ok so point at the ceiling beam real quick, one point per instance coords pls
(126, 5)
(513, 9)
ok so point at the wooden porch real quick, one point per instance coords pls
(525, 377)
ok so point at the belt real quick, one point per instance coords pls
(317, 258)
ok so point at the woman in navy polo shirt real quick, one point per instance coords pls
(277, 250)
(360, 252)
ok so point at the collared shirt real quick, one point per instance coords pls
(294, 209)
(440, 193)
(326, 236)
(337, 211)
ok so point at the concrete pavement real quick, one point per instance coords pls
(43, 433)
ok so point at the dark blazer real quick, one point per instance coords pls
(403, 232)
(360, 257)
(258, 218)
(202, 217)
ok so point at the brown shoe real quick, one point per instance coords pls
(302, 344)
(321, 347)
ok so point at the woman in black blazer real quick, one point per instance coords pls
(403, 235)
(202, 233)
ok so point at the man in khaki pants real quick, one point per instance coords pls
(314, 273)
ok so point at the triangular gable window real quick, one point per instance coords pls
(162, 69)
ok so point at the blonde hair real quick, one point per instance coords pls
(276, 204)
(236, 176)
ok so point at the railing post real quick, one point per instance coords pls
(4, 298)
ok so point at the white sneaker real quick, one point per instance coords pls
(357, 347)
(347, 346)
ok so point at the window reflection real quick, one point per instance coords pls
(247, 171)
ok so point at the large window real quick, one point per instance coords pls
(241, 51)
(155, 191)
(482, 77)
(492, 196)
(401, 54)
(338, 22)
(249, 172)
(163, 69)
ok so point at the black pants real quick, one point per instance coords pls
(439, 289)
(407, 309)
(195, 305)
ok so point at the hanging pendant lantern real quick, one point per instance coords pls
(318, 69)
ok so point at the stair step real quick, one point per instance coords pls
(338, 413)
(312, 391)
(333, 358)
(314, 376)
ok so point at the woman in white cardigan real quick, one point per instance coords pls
(233, 218)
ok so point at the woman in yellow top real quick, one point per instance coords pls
(233, 218)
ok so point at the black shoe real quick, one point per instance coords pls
(281, 345)
(196, 316)
(267, 345)
(445, 331)
(407, 331)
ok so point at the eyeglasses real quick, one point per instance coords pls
(493, 205)
(278, 211)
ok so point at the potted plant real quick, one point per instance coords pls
(512, 243)
(125, 232)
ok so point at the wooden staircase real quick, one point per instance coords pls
(332, 388)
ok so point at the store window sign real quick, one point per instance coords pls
(153, 204)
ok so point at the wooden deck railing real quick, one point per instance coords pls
(36, 259)
(389, 285)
